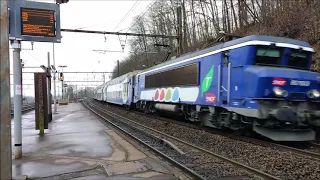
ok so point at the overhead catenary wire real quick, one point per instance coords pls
(125, 17)
(24, 76)
(141, 15)
(135, 5)
(96, 25)
(131, 10)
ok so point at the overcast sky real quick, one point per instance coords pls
(76, 49)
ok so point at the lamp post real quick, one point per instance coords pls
(62, 66)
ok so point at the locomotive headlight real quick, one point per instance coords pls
(280, 92)
(313, 94)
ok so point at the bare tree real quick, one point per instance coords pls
(203, 19)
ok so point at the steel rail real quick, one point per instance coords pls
(297, 151)
(247, 168)
(179, 165)
(310, 154)
(315, 144)
(25, 108)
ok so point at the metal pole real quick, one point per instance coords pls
(49, 90)
(21, 82)
(86, 86)
(62, 85)
(54, 82)
(179, 19)
(118, 67)
(17, 99)
(77, 91)
(61, 89)
(5, 106)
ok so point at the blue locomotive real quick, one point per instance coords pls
(255, 83)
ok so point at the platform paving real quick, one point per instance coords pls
(78, 146)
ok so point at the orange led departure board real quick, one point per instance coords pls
(37, 22)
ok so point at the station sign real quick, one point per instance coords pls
(34, 21)
(37, 22)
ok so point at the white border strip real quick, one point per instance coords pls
(248, 43)
(293, 46)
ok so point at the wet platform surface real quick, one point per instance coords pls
(78, 146)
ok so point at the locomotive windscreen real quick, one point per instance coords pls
(181, 76)
(298, 59)
(268, 56)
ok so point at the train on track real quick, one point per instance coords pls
(261, 84)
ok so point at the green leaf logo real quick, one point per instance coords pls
(206, 83)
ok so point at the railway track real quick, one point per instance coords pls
(313, 147)
(310, 149)
(198, 162)
(270, 157)
(25, 108)
(316, 145)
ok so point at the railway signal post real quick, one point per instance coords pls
(62, 78)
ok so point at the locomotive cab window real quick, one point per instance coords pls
(298, 59)
(267, 55)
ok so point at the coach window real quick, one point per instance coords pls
(298, 59)
(183, 76)
(268, 55)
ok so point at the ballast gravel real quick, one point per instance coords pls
(282, 164)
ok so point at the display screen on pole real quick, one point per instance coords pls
(37, 22)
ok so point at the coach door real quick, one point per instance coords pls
(136, 88)
(225, 69)
(125, 91)
(105, 92)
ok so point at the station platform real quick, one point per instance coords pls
(78, 146)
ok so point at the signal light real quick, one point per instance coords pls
(61, 77)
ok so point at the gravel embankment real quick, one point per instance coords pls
(203, 164)
(285, 165)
